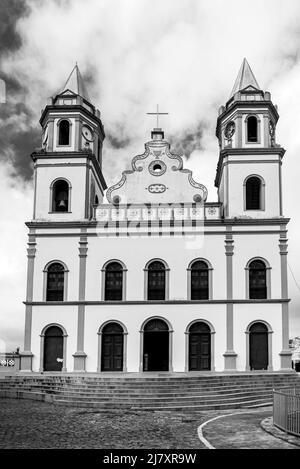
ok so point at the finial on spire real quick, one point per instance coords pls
(244, 79)
(76, 84)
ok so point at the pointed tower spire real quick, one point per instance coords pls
(244, 79)
(76, 84)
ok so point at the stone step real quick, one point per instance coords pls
(160, 402)
(134, 392)
(109, 384)
(194, 408)
(174, 379)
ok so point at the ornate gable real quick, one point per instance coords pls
(157, 176)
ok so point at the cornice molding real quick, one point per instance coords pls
(41, 155)
(241, 152)
(94, 223)
(152, 302)
(246, 104)
(75, 107)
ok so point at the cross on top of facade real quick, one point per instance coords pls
(157, 113)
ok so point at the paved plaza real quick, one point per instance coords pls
(37, 425)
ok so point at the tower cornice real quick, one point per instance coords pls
(74, 108)
(243, 105)
(43, 155)
(280, 151)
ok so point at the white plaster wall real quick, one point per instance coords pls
(62, 249)
(135, 252)
(76, 175)
(257, 245)
(244, 314)
(65, 316)
(134, 315)
(237, 175)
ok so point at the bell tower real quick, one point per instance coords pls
(249, 169)
(68, 167)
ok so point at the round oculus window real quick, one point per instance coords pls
(157, 168)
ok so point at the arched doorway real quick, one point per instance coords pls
(258, 344)
(112, 347)
(199, 347)
(156, 346)
(53, 349)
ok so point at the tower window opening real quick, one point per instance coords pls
(252, 129)
(253, 193)
(64, 133)
(60, 201)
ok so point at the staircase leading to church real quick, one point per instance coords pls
(151, 392)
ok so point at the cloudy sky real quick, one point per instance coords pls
(182, 54)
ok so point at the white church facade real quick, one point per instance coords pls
(150, 276)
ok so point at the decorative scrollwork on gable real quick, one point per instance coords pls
(175, 157)
(138, 158)
(117, 186)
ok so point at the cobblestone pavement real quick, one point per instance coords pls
(37, 425)
(243, 432)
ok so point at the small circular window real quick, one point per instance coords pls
(157, 168)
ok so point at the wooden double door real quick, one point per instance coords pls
(258, 344)
(199, 347)
(53, 349)
(112, 349)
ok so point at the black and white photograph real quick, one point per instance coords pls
(149, 228)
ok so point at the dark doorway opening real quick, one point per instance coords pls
(258, 346)
(53, 349)
(112, 347)
(156, 346)
(199, 347)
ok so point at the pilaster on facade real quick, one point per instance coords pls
(229, 355)
(80, 355)
(26, 355)
(285, 354)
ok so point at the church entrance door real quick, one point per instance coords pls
(199, 347)
(112, 347)
(53, 349)
(156, 346)
(258, 346)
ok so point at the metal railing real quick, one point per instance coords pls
(286, 410)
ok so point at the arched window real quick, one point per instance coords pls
(60, 196)
(64, 132)
(96, 200)
(257, 280)
(113, 289)
(253, 193)
(199, 281)
(252, 129)
(156, 284)
(55, 282)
